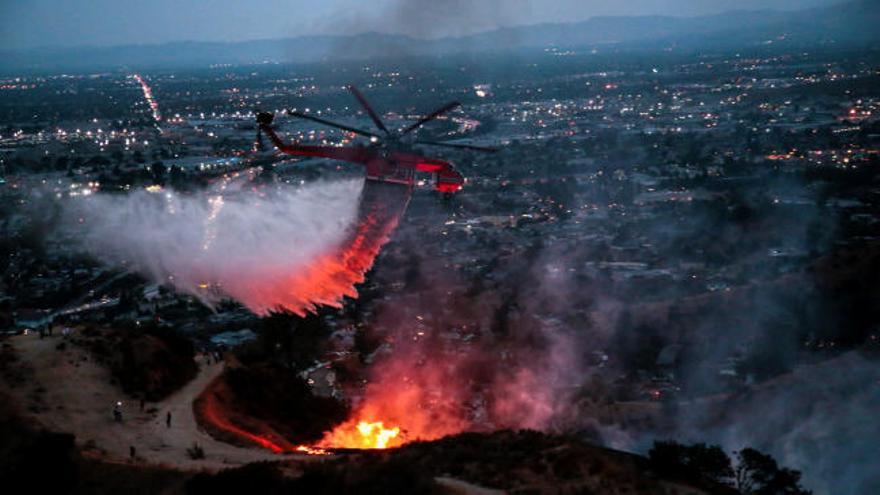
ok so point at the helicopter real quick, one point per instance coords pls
(389, 158)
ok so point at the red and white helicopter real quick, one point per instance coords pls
(390, 157)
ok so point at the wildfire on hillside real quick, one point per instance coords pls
(427, 385)
(355, 434)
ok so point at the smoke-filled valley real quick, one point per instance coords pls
(545, 337)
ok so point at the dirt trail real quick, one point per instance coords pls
(69, 392)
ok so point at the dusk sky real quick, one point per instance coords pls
(30, 23)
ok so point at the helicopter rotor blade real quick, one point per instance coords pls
(332, 124)
(431, 116)
(372, 113)
(459, 146)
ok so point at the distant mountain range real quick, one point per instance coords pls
(854, 23)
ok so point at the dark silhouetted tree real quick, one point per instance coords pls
(755, 473)
(694, 461)
(759, 474)
(158, 169)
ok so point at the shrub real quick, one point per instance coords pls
(196, 452)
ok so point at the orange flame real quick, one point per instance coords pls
(326, 281)
(305, 449)
(406, 402)
(334, 275)
(355, 434)
(210, 411)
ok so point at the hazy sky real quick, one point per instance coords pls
(28, 23)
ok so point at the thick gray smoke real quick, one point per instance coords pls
(217, 244)
(429, 19)
(551, 346)
(810, 411)
(432, 19)
(423, 19)
(821, 419)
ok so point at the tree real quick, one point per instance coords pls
(158, 169)
(294, 341)
(99, 160)
(127, 301)
(754, 474)
(177, 176)
(62, 162)
(695, 461)
(758, 474)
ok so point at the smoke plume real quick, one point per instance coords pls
(447, 365)
(261, 248)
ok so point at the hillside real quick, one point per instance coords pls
(477, 463)
(847, 24)
(89, 453)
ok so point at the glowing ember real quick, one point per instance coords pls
(305, 449)
(363, 435)
(212, 413)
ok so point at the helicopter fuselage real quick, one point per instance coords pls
(396, 164)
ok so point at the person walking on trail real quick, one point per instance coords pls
(132, 452)
(168, 419)
(117, 412)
